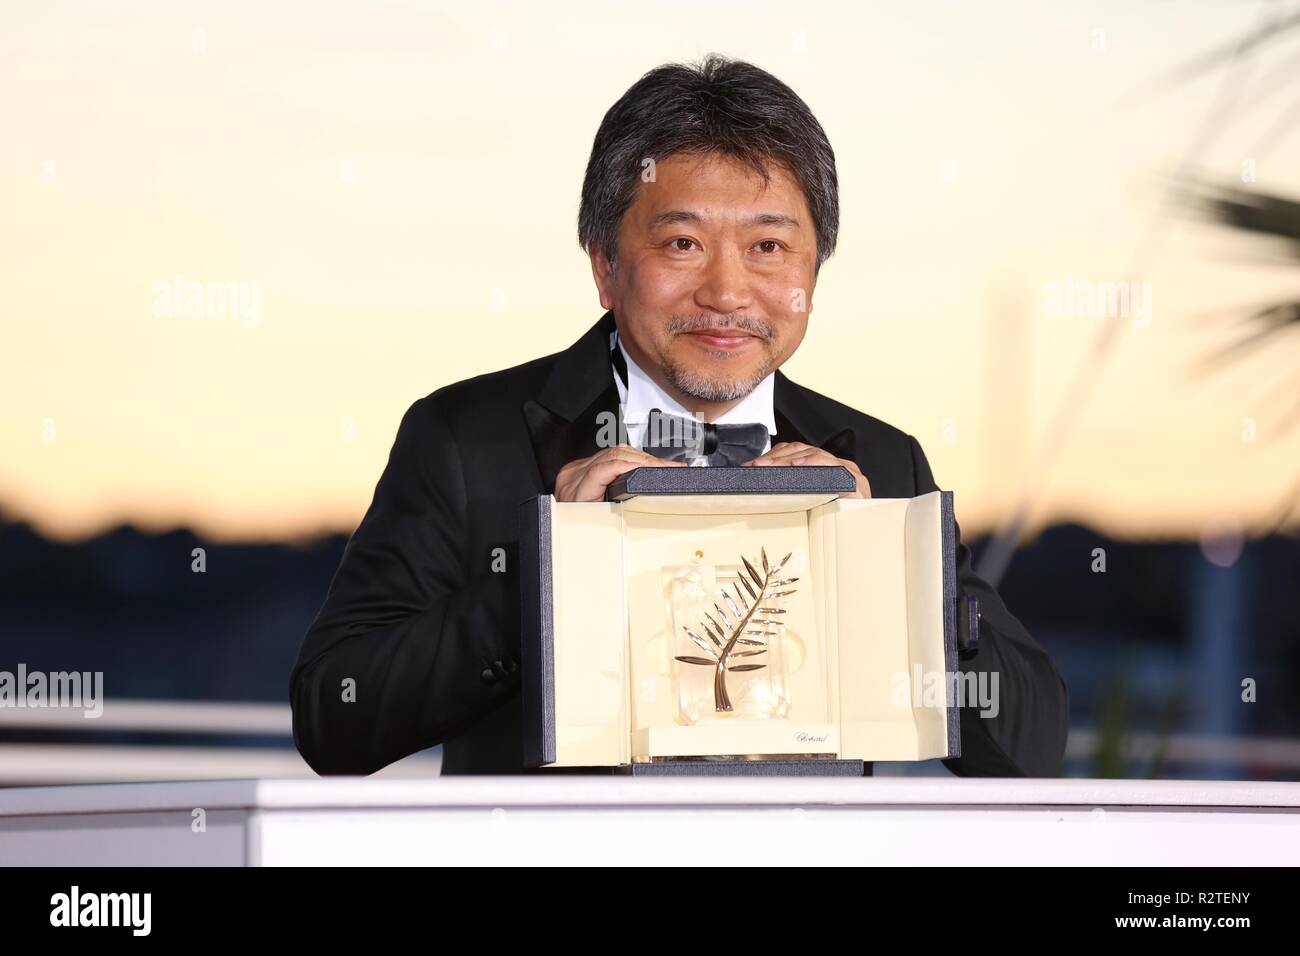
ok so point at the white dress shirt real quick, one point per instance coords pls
(642, 393)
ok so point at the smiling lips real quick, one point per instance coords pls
(726, 339)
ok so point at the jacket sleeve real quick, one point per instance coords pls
(1027, 736)
(409, 647)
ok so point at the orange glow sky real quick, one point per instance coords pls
(399, 183)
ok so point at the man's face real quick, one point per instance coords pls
(714, 278)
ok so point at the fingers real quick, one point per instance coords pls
(587, 478)
(605, 466)
(626, 453)
(797, 453)
(787, 452)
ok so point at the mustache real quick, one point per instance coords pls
(697, 323)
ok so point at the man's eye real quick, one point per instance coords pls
(677, 244)
(768, 246)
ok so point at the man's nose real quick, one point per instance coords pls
(725, 285)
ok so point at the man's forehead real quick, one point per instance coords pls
(688, 189)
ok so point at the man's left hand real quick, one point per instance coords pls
(797, 453)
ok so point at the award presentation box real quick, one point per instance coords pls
(738, 620)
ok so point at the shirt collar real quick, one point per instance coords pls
(642, 393)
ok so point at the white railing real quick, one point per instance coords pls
(167, 716)
(54, 763)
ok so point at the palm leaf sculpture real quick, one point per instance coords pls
(738, 632)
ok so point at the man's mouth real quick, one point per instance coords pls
(726, 339)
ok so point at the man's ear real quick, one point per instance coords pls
(603, 273)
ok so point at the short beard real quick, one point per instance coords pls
(715, 388)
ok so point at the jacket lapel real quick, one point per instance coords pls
(578, 402)
(797, 420)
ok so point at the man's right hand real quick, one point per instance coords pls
(587, 478)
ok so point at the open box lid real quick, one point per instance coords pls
(548, 530)
(732, 480)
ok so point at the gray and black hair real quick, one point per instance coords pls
(723, 106)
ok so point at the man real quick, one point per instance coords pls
(709, 204)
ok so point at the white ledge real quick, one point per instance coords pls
(611, 792)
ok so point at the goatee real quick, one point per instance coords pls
(717, 386)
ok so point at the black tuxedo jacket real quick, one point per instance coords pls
(417, 642)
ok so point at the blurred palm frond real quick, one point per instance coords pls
(1251, 42)
(1269, 216)
(1258, 213)
(1274, 216)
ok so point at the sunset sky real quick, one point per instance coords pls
(394, 188)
